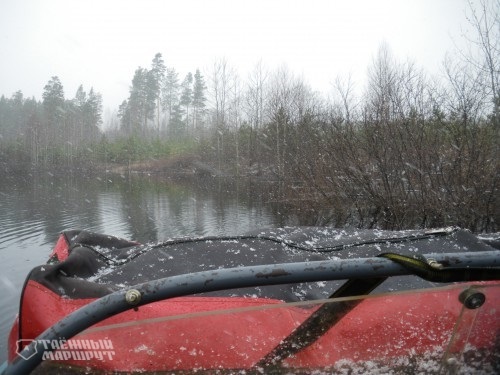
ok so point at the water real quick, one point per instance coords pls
(35, 209)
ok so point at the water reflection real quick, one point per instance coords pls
(34, 209)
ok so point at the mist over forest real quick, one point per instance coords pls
(409, 151)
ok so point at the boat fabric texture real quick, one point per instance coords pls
(91, 265)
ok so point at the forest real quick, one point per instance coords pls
(407, 150)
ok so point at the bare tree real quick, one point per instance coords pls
(483, 54)
(221, 85)
(280, 108)
(344, 90)
(254, 109)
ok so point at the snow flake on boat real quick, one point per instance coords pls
(145, 349)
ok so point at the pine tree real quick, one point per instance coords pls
(170, 92)
(156, 78)
(94, 114)
(124, 116)
(199, 99)
(54, 111)
(17, 121)
(80, 102)
(53, 100)
(32, 110)
(187, 95)
(177, 127)
(139, 109)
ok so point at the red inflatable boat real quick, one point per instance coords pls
(288, 300)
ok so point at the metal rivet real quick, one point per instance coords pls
(133, 297)
(452, 362)
(472, 298)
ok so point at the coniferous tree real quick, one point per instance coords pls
(53, 105)
(138, 107)
(53, 101)
(80, 103)
(199, 99)
(32, 110)
(170, 92)
(124, 116)
(177, 127)
(157, 76)
(17, 120)
(94, 114)
(187, 96)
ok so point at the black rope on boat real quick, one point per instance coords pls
(292, 244)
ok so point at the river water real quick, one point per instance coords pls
(34, 209)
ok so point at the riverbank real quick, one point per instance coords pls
(336, 199)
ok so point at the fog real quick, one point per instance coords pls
(100, 44)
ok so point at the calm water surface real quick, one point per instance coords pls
(35, 209)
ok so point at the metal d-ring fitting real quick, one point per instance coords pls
(472, 298)
(434, 264)
(133, 297)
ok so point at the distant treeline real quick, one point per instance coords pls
(51, 132)
(406, 151)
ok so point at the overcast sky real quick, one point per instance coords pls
(100, 43)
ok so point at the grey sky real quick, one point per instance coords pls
(100, 43)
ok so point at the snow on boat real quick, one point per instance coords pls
(287, 300)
